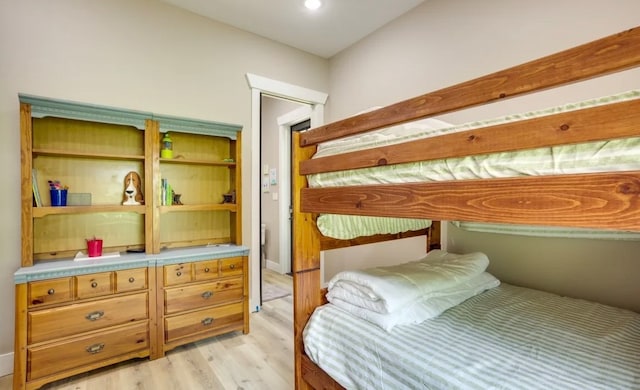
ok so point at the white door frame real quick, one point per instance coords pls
(262, 85)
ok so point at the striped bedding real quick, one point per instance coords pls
(505, 338)
(603, 156)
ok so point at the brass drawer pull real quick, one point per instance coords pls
(94, 316)
(132, 279)
(95, 348)
(206, 269)
(232, 266)
(207, 321)
(178, 273)
(51, 291)
(207, 294)
(94, 284)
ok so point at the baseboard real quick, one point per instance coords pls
(6, 364)
(273, 266)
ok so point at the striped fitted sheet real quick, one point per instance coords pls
(601, 156)
(505, 338)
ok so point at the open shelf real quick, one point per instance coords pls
(39, 212)
(179, 160)
(199, 207)
(65, 153)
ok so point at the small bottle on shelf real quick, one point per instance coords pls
(167, 146)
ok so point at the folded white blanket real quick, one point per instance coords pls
(387, 289)
(425, 308)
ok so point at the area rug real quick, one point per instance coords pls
(271, 292)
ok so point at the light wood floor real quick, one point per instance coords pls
(263, 359)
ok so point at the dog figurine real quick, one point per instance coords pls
(132, 194)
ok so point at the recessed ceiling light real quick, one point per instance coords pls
(312, 4)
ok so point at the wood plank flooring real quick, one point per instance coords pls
(263, 359)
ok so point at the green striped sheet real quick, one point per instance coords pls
(547, 231)
(505, 338)
(591, 157)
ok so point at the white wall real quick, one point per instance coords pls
(443, 42)
(137, 54)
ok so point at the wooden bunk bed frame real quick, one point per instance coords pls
(602, 200)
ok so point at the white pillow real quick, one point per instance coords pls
(423, 309)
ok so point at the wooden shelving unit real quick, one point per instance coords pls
(90, 149)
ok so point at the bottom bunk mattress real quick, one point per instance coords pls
(505, 338)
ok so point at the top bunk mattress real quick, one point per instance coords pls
(505, 338)
(591, 157)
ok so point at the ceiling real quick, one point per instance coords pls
(324, 32)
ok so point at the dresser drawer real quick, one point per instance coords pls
(50, 291)
(94, 285)
(201, 295)
(94, 347)
(49, 324)
(222, 318)
(131, 279)
(206, 270)
(231, 266)
(177, 273)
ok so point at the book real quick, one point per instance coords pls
(163, 192)
(166, 193)
(36, 191)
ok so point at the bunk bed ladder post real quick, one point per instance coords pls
(306, 261)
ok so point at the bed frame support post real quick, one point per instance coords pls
(306, 260)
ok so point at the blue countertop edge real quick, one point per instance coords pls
(69, 267)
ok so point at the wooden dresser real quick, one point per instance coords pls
(205, 297)
(72, 318)
(173, 268)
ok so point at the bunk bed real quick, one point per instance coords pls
(606, 199)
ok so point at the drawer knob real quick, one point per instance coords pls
(132, 279)
(207, 321)
(94, 284)
(51, 291)
(206, 269)
(178, 273)
(207, 294)
(94, 316)
(95, 348)
(232, 266)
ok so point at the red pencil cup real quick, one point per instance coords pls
(94, 247)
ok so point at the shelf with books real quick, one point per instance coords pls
(192, 205)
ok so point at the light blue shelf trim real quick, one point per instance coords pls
(42, 107)
(66, 268)
(188, 255)
(185, 125)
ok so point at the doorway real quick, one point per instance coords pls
(315, 102)
(278, 117)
